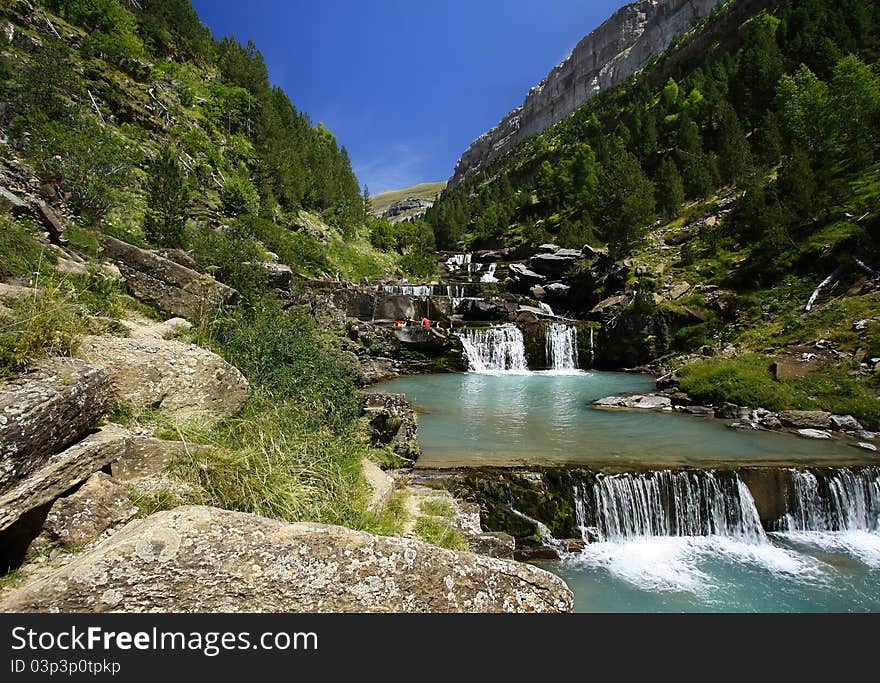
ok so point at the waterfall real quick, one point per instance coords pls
(840, 500)
(499, 348)
(592, 348)
(409, 290)
(561, 347)
(489, 275)
(669, 503)
(546, 308)
(457, 261)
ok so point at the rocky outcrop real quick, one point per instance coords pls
(23, 508)
(607, 56)
(393, 422)
(44, 411)
(165, 284)
(183, 380)
(82, 516)
(62, 472)
(199, 559)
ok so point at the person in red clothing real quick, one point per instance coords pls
(426, 322)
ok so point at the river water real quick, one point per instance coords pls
(545, 418)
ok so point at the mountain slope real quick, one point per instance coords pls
(607, 56)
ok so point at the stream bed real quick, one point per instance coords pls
(545, 418)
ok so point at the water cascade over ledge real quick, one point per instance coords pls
(842, 500)
(667, 503)
(499, 348)
(561, 347)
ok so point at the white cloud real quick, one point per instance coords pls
(396, 167)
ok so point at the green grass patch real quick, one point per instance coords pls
(52, 320)
(437, 508)
(21, 251)
(747, 381)
(440, 534)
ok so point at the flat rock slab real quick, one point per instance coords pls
(183, 380)
(813, 434)
(200, 559)
(642, 402)
(62, 472)
(166, 284)
(805, 419)
(44, 411)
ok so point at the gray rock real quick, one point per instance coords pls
(199, 559)
(44, 411)
(805, 419)
(393, 422)
(703, 411)
(553, 265)
(865, 446)
(169, 286)
(730, 411)
(522, 274)
(279, 275)
(390, 307)
(82, 516)
(814, 433)
(558, 289)
(62, 472)
(844, 423)
(183, 380)
(642, 402)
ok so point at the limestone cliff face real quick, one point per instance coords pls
(607, 56)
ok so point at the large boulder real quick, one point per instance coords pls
(165, 284)
(200, 559)
(492, 308)
(62, 472)
(555, 265)
(357, 303)
(390, 307)
(82, 516)
(805, 419)
(44, 411)
(183, 380)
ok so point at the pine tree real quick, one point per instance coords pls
(167, 201)
(670, 188)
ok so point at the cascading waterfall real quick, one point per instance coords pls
(592, 348)
(499, 348)
(561, 347)
(489, 275)
(840, 500)
(669, 503)
(409, 290)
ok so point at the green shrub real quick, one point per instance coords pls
(240, 197)
(746, 381)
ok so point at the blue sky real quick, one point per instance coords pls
(406, 86)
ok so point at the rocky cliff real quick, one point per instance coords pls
(607, 56)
